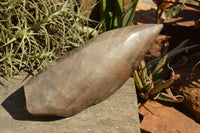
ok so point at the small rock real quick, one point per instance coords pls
(188, 85)
(192, 101)
(158, 118)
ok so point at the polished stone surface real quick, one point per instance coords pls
(90, 75)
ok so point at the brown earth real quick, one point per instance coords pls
(189, 85)
(159, 118)
(174, 118)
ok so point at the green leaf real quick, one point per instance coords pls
(111, 13)
(173, 11)
(137, 80)
(129, 15)
(117, 18)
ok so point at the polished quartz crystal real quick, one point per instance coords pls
(90, 75)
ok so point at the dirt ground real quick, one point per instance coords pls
(184, 117)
